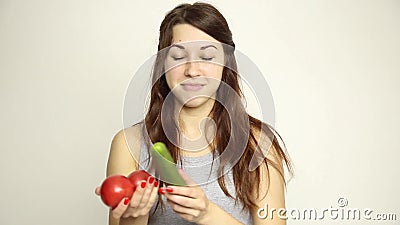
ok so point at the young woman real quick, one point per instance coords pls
(196, 110)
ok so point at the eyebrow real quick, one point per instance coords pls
(208, 46)
(201, 48)
(178, 46)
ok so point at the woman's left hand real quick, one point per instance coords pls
(190, 202)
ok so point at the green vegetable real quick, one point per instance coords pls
(162, 149)
(165, 166)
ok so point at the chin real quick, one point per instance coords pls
(197, 102)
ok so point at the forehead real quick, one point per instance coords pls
(187, 33)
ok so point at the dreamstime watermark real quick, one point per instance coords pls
(339, 212)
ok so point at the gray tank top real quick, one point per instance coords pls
(201, 170)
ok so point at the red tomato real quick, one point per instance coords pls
(114, 189)
(137, 176)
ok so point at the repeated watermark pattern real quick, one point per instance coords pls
(190, 73)
(339, 212)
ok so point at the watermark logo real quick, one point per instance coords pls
(339, 212)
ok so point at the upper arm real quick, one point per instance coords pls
(271, 193)
(272, 189)
(123, 160)
(124, 152)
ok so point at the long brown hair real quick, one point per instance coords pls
(208, 19)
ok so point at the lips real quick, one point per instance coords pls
(192, 86)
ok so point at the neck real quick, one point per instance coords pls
(192, 120)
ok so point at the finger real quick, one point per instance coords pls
(147, 192)
(182, 209)
(118, 211)
(153, 196)
(97, 191)
(189, 181)
(182, 200)
(137, 195)
(190, 192)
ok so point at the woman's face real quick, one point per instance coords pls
(193, 66)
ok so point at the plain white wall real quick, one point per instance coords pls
(332, 66)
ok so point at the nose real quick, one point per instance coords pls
(192, 69)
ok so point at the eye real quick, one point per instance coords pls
(177, 58)
(207, 58)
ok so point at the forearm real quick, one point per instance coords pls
(217, 215)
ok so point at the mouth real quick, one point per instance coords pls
(192, 86)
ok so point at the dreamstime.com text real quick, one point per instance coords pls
(341, 212)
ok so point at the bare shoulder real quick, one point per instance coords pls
(271, 172)
(127, 139)
(124, 151)
(267, 143)
(271, 190)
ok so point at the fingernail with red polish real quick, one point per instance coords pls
(156, 184)
(161, 191)
(126, 201)
(143, 184)
(169, 189)
(151, 180)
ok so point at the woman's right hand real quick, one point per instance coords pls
(141, 202)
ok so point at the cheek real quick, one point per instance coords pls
(215, 71)
(173, 77)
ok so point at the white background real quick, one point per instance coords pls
(333, 68)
